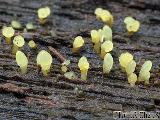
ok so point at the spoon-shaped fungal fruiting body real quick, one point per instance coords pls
(95, 37)
(144, 73)
(130, 68)
(107, 63)
(64, 66)
(16, 24)
(8, 32)
(107, 33)
(32, 44)
(106, 47)
(104, 15)
(83, 65)
(22, 61)
(44, 60)
(77, 44)
(43, 13)
(124, 59)
(132, 79)
(132, 25)
(18, 42)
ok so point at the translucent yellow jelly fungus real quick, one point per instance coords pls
(16, 25)
(104, 15)
(8, 32)
(70, 75)
(64, 67)
(44, 59)
(132, 25)
(132, 79)
(96, 36)
(18, 42)
(107, 63)
(43, 13)
(77, 44)
(83, 65)
(22, 61)
(106, 47)
(107, 33)
(32, 44)
(130, 67)
(124, 59)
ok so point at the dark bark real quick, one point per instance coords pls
(33, 96)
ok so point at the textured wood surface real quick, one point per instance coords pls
(32, 96)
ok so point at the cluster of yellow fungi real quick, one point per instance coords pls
(102, 44)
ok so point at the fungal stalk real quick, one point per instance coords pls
(32, 44)
(8, 32)
(83, 65)
(18, 43)
(132, 79)
(107, 63)
(22, 61)
(44, 60)
(43, 13)
(77, 44)
(107, 33)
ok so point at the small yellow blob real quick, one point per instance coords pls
(70, 75)
(8, 32)
(16, 25)
(106, 47)
(22, 61)
(104, 15)
(30, 26)
(107, 63)
(124, 59)
(132, 79)
(32, 44)
(77, 44)
(64, 66)
(83, 65)
(18, 42)
(44, 59)
(107, 33)
(43, 13)
(130, 67)
(132, 25)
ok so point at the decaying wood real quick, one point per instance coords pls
(33, 96)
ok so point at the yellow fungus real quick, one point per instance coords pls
(144, 73)
(107, 63)
(77, 44)
(70, 75)
(104, 15)
(8, 32)
(130, 68)
(16, 25)
(132, 25)
(83, 65)
(124, 59)
(18, 42)
(44, 59)
(132, 79)
(107, 33)
(30, 26)
(106, 47)
(22, 61)
(64, 67)
(43, 13)
(32, 44)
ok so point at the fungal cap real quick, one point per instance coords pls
(144, 76)
(44, 12)
(44, 59)
(66, 62)
(32, 44)
(125, 58)
(98, 12)
(18, 41)
(78, 42)
(70, 75)
(132, 79)
(107, 33)
(15, 24)
(21, 59)
(107, 63)
(131, 67)
(29, 26)
(129, 20)
(95, 35)
(107, 46)
(8, 32)
(146, 66)
(83, 64)
(105, 16)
